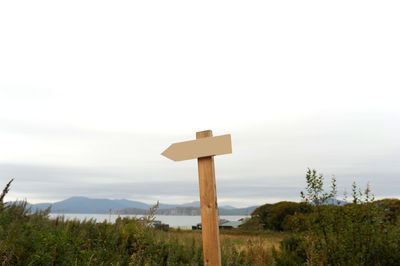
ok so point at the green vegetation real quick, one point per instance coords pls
(33, 239)
(313, 232)
(363, 232)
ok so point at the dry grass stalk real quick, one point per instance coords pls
(5, 191)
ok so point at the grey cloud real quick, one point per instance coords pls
(54, 182)
(57, 183)
(268, 162)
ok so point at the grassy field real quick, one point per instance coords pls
(242, 240)
(251, 248)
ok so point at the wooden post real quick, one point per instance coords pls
(209, 207)
(204, 148)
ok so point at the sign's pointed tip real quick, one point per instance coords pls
(167, 152)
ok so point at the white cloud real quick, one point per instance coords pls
(108, 85)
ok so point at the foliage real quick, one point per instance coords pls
(363, 232)
(259, 218)
(278, 216)
(292, 251)
(391, 209)
(33, 239)
(359, 233)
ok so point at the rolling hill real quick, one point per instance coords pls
(123, 206)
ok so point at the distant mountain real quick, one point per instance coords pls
(335, 202)
(171, 206)
(87, 205)
(195, 204)
(332, 201)
(188, 211)
(237, 211)
(191, 211)
(135, 211)
(123, 206)
(228, 207)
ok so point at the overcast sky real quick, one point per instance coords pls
(91, 92)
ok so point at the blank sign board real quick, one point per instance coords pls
(199, 148)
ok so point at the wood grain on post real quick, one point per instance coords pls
(209, 207)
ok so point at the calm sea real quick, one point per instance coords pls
(173, 221)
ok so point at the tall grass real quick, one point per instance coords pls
(34, 239)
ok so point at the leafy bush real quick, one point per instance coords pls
(294, 251)
(259, 218)
(278, 216)
(358, 233)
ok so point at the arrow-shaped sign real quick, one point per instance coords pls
(198, 148)
(204, 148)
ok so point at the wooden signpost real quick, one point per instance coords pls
(204, 148)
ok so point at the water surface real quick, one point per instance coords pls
(172, 220)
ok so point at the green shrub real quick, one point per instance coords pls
(292, 252)
(359, 233)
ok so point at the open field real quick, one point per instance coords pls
(241, 240)
(237, 247)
